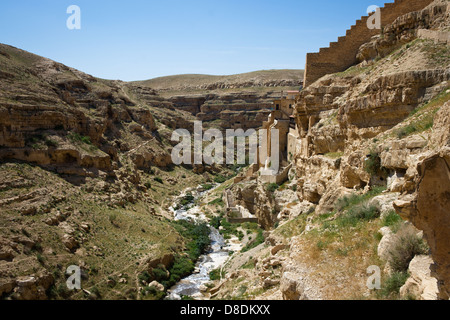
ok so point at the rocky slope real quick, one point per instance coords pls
(257, 79)
(373, 144)
(236, 101)
(86, 179)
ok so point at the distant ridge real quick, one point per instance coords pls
(263, 78)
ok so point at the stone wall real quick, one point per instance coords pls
(341, 55)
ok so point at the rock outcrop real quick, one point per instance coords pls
(421, 285)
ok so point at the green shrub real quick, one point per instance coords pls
(182, 267)
(154, 293)
(406, 248)
(61, 291)
(250, 264)
(220, 179)
(357, 214)
(216, 274)
(216, 221)
(96, 292)
(144, 277)
(207, 186)
(40, 258)
(160, 273)
(187, 199)
(355, 199)
(391, 219)
(218, 202)
(197, 235)
(158, 179)
(347, 201)
(373, 166)
(391, 286)
(256, 242)
(272, 187)
(76, 137)
(422, 124)
(51, 143)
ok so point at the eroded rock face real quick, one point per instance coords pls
(421, 284)
(291, 287)
(428, 210)
(32, 287)
(403, 30)
(428, 201)
(389, 99)
(258, 201)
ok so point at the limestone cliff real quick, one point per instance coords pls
(236, 101)
(373, 139)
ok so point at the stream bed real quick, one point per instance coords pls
(215, 258)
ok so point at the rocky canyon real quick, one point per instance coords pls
(87, 177)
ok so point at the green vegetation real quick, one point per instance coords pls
(334, 155)
(184, 201)
(218, 202)
(407, 247)
(358, 214)
(422, 118)
(216, 220)
(250, 264)
(220, 179)
(437, 52)
(153, 293)
(373, 164)
(293, 227)
(207, 187)
(216, 274)
(230, 229)
(159, 180)
(391, 286)
(392, 219)
(51, 143)
(354, 199)
(182, 267)
(39, 140)
(256, 242)
(272, 187)
(424, 123)
(198, 233)
(77, 138)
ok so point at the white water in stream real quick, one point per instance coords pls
(215, 258)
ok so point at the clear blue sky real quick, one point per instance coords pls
(143, 39)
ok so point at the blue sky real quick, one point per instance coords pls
(143, 39)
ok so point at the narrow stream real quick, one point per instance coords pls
(215, 258)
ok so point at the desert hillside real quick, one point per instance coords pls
(368, 182)
(87, 178)
(198, 82)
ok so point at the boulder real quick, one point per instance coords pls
(386, 244)
(421, 284)
(291, 287)
(158, 286)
